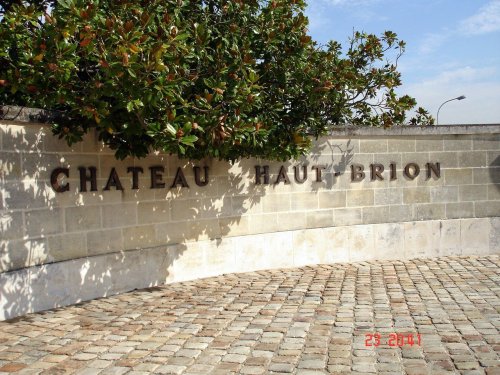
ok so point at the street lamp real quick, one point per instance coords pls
(461, 97)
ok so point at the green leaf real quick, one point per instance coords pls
(180, 37)
(252, 76)
(209, 83)
(187, 127)
(132, 73)
(189, 140)
(171, 129)
(65, 3)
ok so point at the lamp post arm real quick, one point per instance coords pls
(437, 116)
(461, 97)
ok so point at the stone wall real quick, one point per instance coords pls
(159, 219)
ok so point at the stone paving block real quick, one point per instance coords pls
(310, 372)
(199, 369)
(312, 364)
(171, 369)
(115, 370)
(234, 358)
(282, 367)
(149, 367)
(88, 371)
(180, 361)
(100, 363)
(252, 370)
(111, 356)
(12, 367)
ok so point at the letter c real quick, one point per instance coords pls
(54, 180)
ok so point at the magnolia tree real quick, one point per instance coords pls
(196, 78)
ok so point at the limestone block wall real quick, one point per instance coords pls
(76, 224)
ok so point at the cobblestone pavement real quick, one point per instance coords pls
(311, 320)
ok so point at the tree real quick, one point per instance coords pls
(217, 78)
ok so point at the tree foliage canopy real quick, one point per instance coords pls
(197, 78)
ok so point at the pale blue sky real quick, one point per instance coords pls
(453, 48)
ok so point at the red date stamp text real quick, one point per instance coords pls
(393, 339)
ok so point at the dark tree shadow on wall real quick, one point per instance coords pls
(336, 156)
(495, 172)
(346, 155)
(36, 239)
(97, 232)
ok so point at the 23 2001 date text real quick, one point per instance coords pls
(393, 339)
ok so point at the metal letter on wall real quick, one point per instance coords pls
(113, 180)
(318, 169)
(259, 173)
(282, 176)
(135, 176)
(197, 177)
(357, 173)
(180, 179)
(393, 171)
(55, 182)
(157, 177)
(433, 167)
(84, 178)
(408, 171)
(376, 172)
(297, 174)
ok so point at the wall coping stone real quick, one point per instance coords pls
(40, 116)
(27, 115)
(408, 130)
